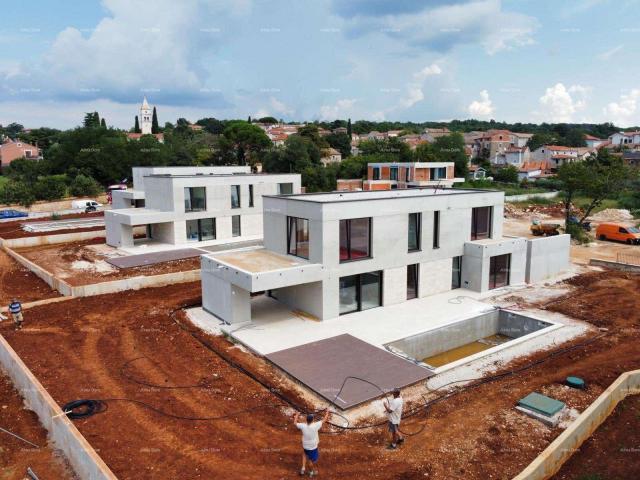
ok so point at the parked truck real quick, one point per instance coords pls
(86, 205)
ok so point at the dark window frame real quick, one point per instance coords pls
(191, 209)
(199, 223)
(349, 237)
(457, 282)
(375, 173)
(358, 285)
(250, 195)
(416, 279)
(418, 232)
(237, 189)
(474, 224)
(436, 229)
(239, 226)
(393, 172)
(493, 277)
(292, 231)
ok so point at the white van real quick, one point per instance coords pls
(86, 205)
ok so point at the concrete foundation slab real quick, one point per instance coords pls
(145, 259)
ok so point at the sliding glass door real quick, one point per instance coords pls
(499, 271)
(360, 292)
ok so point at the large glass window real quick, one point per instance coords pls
(412, 281)
(195, 199)
(285, 188)
(355, 239)
(499, 271)
(235, 196)
(456, 274)
(251, 195)
(298, 237)
(201, 229)
(414, 231)
(393, 173)
(438, 173)
(481, 223)
(436, 229)
(376, 173)
(360, 292)
(235, 226)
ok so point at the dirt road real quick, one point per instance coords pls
(474, 435)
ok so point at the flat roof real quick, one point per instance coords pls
(258, 261)
(355, 196)
(200, 175)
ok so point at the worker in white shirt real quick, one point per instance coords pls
(310, 440)
(394, 414)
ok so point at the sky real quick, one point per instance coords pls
(404, 60)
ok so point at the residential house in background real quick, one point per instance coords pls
(431, 134)
(555, 155)
(184, 205)
(394, 175)
(532, 170)
(12, 150)
(516, 156)
(625, 139)
(330, 155)
(331, 254)
(593, 142)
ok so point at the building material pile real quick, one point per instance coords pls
(612, 215)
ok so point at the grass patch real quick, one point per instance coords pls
(3, 180)
(583, 202)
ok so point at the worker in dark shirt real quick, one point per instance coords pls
(15, 309)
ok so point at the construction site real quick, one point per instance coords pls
(163, 391)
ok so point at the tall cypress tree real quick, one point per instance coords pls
(154, 122)
(249, 119)
(103, 124)
(349, 128)
(136, 128)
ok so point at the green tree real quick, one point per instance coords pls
(52, 187)
(341, 142)
(450, 148)
(574, 177)
(103, 123)
(268, 120)
(508, 174)
(83, 185)
(18, 192)
(211, 125)
(540, 139)
(249, 141)
(136, 127)
(91, 120)
(349, 128)
(575, 138)
(154, 122)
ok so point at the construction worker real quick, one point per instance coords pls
(310, 440)
(394, 414)
(15, 308)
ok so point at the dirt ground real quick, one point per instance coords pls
(84, 263)
(14, 229)
(581, 254)
(15, 455)
(17, 281)
(613, 451)
(476, 434)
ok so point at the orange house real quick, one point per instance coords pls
(12, 150)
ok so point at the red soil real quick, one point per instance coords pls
(17, 281)
(10, 230)
(474, 435)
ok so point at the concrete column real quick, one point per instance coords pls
(224, 300)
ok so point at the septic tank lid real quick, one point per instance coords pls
(575, 382)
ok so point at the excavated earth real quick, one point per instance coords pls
(18, 282)
(128, 345)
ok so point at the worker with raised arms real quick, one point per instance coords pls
(310, 441)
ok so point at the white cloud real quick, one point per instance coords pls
(427, 71)
(604, 56)
(276, 109)
(561, 104)
(483, 107)
(413, 95)
(341, 109)
(623, 112)
(442, 27)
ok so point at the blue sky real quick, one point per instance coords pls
(512, 60)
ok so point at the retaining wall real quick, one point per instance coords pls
(83, 458)
(552, 458)
(57, 284)
(626, 267)
(26, 242)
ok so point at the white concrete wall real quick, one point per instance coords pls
(306, 297)
(224, 300)
(435, 277)
(477, 256)
(394, 285)
(547, 257)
